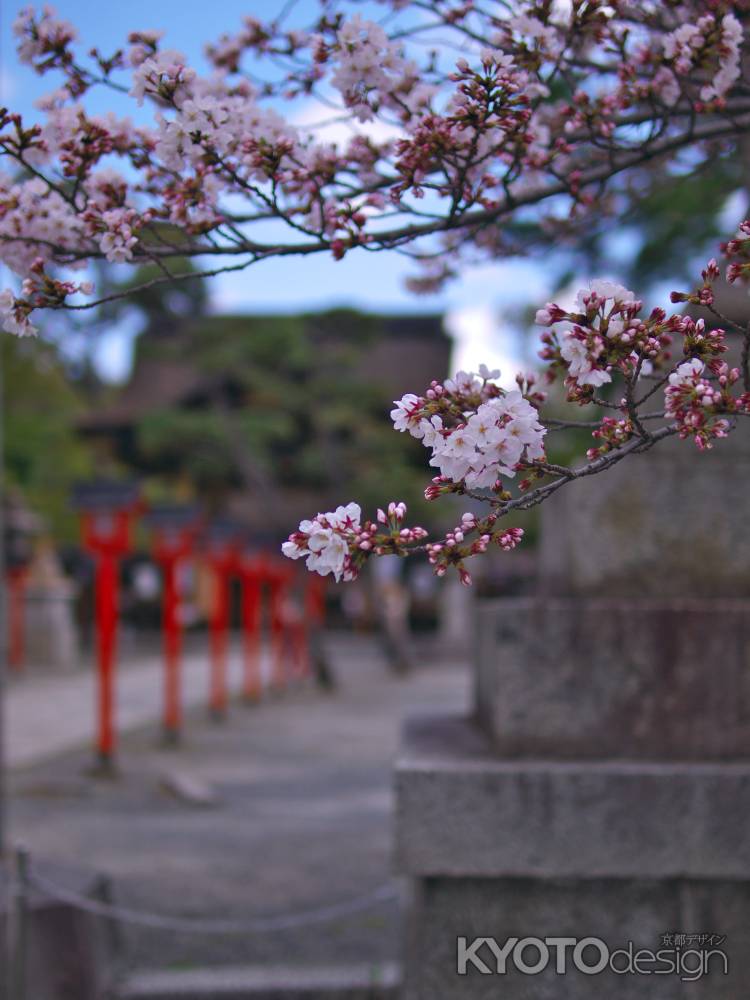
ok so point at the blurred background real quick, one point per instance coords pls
(257, 400)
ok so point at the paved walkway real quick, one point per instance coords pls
(301, 812)
(50, 713)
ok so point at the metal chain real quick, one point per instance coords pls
(385, 893)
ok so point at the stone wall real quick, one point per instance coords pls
(600, 677)
(602, 786)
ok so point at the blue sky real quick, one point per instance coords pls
(475, 304)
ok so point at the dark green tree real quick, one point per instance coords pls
(43, 454)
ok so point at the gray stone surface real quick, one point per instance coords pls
(463, 812)
(378, 982)
(303, 816)
(69, 955)
(618, 850)
(668, 523)
(614, 910)
(615, 677)
(50, 638)
(603, 785)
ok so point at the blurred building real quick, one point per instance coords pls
(266, 417)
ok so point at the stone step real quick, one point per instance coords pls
(351, 982)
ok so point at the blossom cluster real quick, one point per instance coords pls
(38, 290)
(699, 398)
(489, 113)
(370, 70)
(739, 248)
(703, 295)
(458, 544)
(708, 41)
(476, 431)
(613, 432)
(480, 434)
(475, 133)
(604, 332)
(43, 38)
(327, 542)
(338, 543)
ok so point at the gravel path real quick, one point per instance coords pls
(299, 815)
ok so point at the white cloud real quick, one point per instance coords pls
(734, 209)
(327, 126)
(480, 337)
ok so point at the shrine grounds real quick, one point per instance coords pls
(285, 807)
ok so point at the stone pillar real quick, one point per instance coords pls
(50, 635)
(456, 617)
(602, 787)
(70, 954)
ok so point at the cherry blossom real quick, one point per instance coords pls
(701, 405)
(14, 315)
(691, 45)
(481, 435)
(476, 431)
(325, 541)
(117, 240)
(40, 37)
(477, 132)
(338, 543)
(369, 68)
(739, 247)
(526, 110)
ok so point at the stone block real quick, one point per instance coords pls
(615, 677)
(69, 953)
(668, 523)
(464, 812)
(265, 983)
(616, 911)
(619, 850)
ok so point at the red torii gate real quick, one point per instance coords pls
(107, 510)
(265, 577)
(173, 531)
(280, 577)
